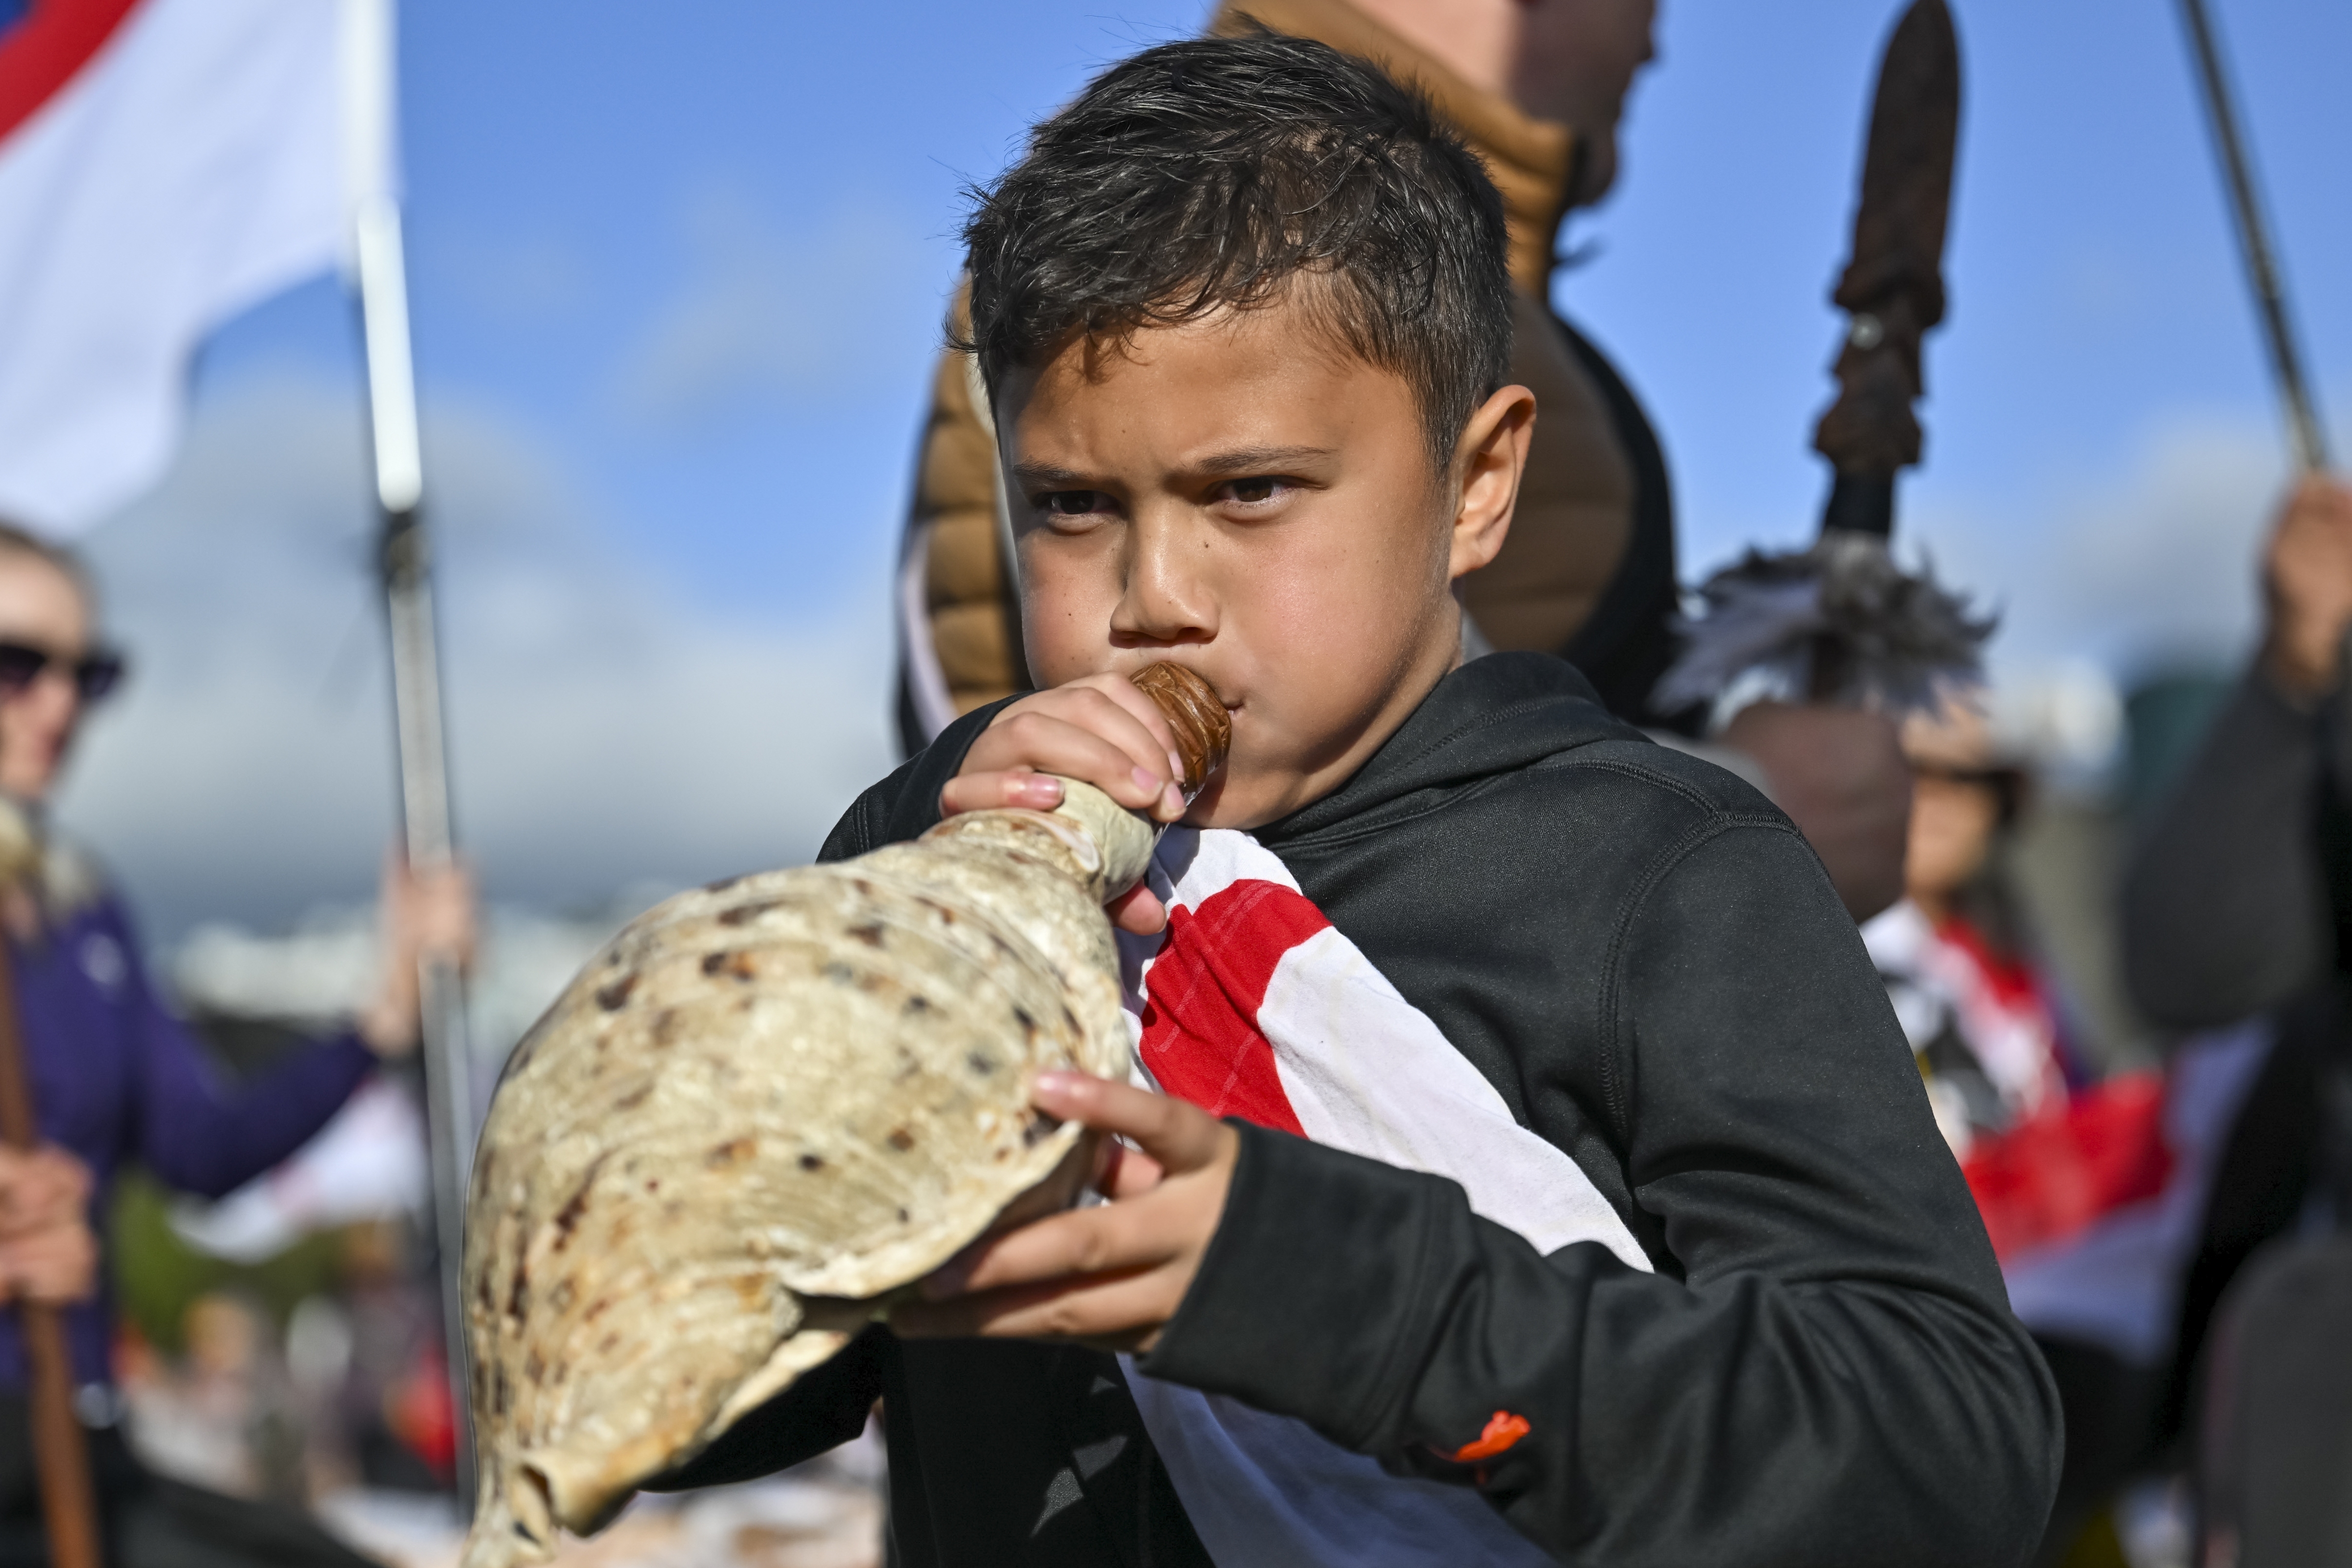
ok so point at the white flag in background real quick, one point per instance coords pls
(163, 166)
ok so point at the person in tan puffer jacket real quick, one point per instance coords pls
(1536, 87)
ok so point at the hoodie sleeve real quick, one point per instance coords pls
(2225, 904)
(1824, 1369)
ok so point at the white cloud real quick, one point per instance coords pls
(604, 732)
(2151, 562)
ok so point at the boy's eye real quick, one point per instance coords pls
(1073, 503)
(1254, 492)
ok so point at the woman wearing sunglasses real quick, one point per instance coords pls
(116, 1078)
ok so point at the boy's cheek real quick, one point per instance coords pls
(1065, 619)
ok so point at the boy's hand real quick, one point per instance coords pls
(1110, 1276)
(1101, 730)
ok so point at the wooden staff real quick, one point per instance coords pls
(60, 1449)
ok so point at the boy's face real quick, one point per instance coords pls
(1240, 497)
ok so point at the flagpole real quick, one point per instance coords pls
(2303, 429)
(405, 563)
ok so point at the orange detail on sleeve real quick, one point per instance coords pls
(1503, 1429)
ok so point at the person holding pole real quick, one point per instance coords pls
(114, 1078)
(2237, 905)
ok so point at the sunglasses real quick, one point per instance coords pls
(94, 674)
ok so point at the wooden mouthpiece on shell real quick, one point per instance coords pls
(1204, 730)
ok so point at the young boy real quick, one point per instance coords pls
(1578, 1199)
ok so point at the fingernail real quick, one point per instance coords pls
(948, 1280)
(1039, 789)
(1147, 780)
(1055, 1080)
(1176, 767)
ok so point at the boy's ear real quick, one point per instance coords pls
(1492, 455)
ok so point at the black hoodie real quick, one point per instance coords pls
(1649, 965)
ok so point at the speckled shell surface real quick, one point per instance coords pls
(762, 1109)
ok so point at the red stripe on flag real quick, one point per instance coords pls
(1201, 1034)
(44, 51)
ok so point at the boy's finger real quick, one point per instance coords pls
(1127, 695)
(992, 791)
(1124, 1312)
(1176, 1133)
(1121, 714)
(1138, 910)
(1077, 1241)
(1127, 1171)
(1088, 708)
(1047, 743)
(1112, 710)
(1160, 1221)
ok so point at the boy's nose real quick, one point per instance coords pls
(1166, 598)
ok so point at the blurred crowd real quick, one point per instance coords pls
(2125, 988)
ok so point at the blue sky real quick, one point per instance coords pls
(678, 272)
(699, 249)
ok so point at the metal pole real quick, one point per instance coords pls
(2254, 244)
(423, 765)
(405, 565)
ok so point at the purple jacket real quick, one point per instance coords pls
(116, 1078)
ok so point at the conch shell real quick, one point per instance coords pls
(765, 1109)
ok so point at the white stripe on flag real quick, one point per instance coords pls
(195, 166)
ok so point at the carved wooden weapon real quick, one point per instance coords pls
(1839, 621)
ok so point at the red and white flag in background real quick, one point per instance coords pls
(165, 164)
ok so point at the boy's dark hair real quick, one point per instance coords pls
(1225, 172)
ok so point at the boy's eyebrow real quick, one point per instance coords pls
(1047, 474)
(1218, 464)
(1259, 459)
